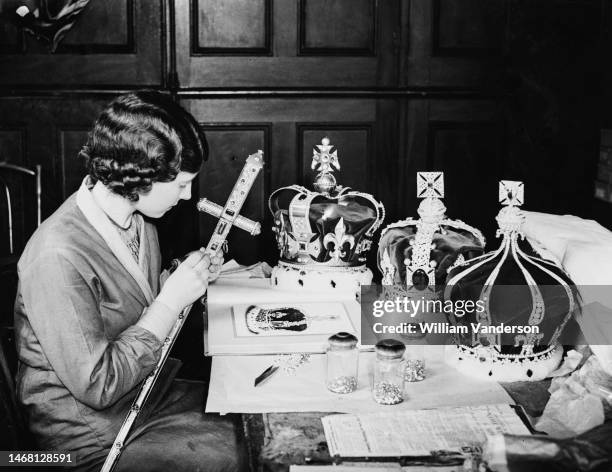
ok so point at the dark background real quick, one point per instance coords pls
(480, 89)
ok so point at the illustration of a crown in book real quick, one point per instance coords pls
(532, 298)
(416, 254)
(329, 229)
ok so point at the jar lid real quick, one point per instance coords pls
(342, 340)
(390, 348)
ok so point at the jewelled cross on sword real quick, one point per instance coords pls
(229, 215)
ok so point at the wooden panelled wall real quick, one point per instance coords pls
(479, 89)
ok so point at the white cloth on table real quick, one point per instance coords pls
(584, 248)
(232, 270)
(231, 387)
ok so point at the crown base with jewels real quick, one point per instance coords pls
(325, 233)
(296, 277)
(487, 363)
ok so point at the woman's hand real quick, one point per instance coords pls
(188, 282)
(184, 286)
(216, 263)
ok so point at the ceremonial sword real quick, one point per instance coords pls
(228, 217)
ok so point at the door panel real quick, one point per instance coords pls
(453, 43)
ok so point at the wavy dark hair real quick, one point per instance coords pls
(141, 138)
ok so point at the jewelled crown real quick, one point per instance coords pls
(417, 253)
(329, 227)
(516, 288)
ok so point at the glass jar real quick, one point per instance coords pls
(414, 363)
(388, 385)
(342, 363)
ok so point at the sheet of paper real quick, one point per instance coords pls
(372, 467)
(417, 433)
(231, 388)
(346, 468)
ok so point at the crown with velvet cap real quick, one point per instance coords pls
(417, 253)
(516, 288)
(329, 229)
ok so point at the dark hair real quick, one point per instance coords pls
(141, 138)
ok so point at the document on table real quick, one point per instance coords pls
(371, 467)
(378, 467)
(418, 432)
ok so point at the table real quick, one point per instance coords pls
(277, 440)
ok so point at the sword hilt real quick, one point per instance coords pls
(231, 211)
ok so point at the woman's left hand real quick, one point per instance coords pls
(216, 263)
(211, 272)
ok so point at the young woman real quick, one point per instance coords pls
(90, 315)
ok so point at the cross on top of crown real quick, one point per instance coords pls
(325, 157)
(511, 192)
(430, 184)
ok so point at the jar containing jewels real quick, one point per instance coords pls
(387, 387)
(414, 363)
(342, 363)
